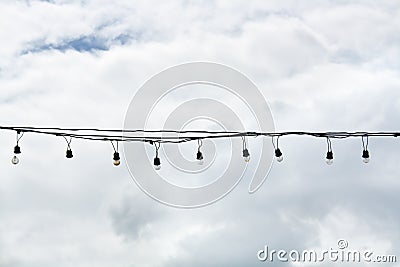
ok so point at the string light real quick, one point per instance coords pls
(157, 162)
(116, 157)
(329, 154)
(157, 137)
(175, 136)
(17, 149)
(278, 152)
(365, 153)
(199, 156)
(246, 154)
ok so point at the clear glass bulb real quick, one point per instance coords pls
(200, 162)
(117, 162)
(247, 159)
(15, 160)
(157, 167)
(279, 159)
(365, 160)
(329, 161)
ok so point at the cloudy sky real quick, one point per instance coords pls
(322, 65)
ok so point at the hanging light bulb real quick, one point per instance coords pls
(15, 160)
(246, 155)
(365, 156)
(157, 161)
(329, 157)
(68, 154)
(329, 154)
(278, 155)
(278, 152)
(199, 156)
(116, 158)
(17, 150)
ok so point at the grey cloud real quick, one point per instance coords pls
(133, 214)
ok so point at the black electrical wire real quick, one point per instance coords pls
(365, 143)
(175, 136)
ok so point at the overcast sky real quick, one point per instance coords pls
(322, 65)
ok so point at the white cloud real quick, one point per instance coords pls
(323, 66)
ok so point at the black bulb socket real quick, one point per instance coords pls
(278, 153)
(245, 153)
(116, 156)
(17, 150)
(157, 161)
(69, 154)
(365, 154)
(199, 155)
(329, 155)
